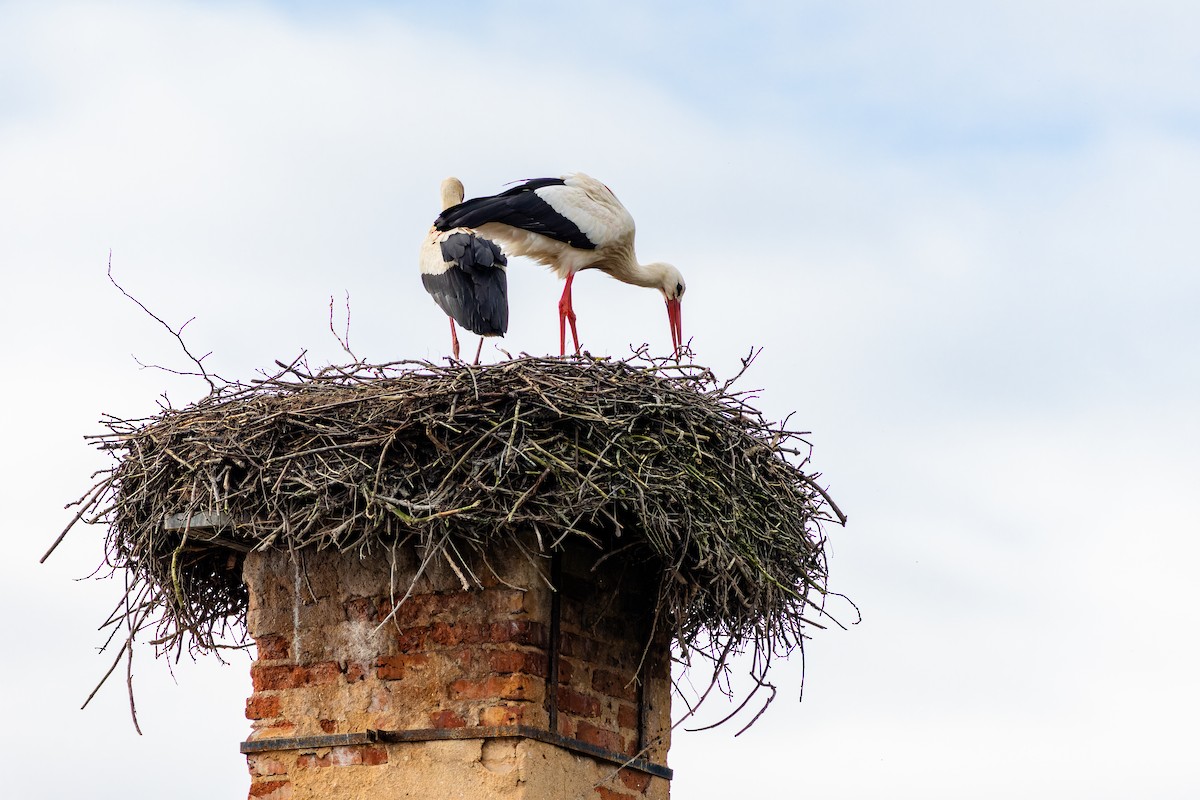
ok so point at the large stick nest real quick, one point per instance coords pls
(659, 460)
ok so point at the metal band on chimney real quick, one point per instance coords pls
(444, 734)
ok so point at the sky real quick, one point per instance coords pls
(963, 234)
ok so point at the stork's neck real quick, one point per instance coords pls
(649, 275)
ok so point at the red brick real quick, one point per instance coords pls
(343, 756)
(504, 661)
(502, 715)
(321, 673)
(450, 604)
(627, 717)
(519, 687)
(280, 676)
(507, 687)
(502, 602)
(466, 658)
(328, 725)
(277, 729)
(518, 632)
(598, 736)
(356, 671)
(566, 670)
(614, 685)
(593, 650)
(507, 661)
(425, 608)
(577, 703)
(634, 779)
(383, 607)
(406, 613)
(374, 756)
(262, 765)
(271, 790)
(451, 634)
(398, 667)
(446, 719)
(609, 794)
(409, 640)
(262, 706)
(272, 648)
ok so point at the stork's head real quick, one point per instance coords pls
(672, 287)
(452, 192)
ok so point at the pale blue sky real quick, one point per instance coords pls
(964, 234)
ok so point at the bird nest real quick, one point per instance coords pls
(657, 458)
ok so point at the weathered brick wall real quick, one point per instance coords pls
(606, 618)
(338, 653)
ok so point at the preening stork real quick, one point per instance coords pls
(570, 223)
(464, 273)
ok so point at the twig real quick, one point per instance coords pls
(176, 332)
(343, 339)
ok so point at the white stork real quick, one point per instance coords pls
(570, 223)
(464, 273)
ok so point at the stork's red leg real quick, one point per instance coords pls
(479, 352)
(564, 305)
(566, 312)
(453, 338)
(574, 333)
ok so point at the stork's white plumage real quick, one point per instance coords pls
(464, 273)
(570, 223)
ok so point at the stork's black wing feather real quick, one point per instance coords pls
(474, 290)
(520, 207)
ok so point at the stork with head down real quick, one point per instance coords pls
(570, 223)
(464, 273)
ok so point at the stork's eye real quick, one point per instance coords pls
(678, 289)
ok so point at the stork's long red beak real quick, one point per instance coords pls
(675, 316)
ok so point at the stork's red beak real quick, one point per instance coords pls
(675, 316)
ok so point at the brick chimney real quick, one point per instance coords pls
(507, 689)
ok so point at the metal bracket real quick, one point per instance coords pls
(447, 734)
(555, 644)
